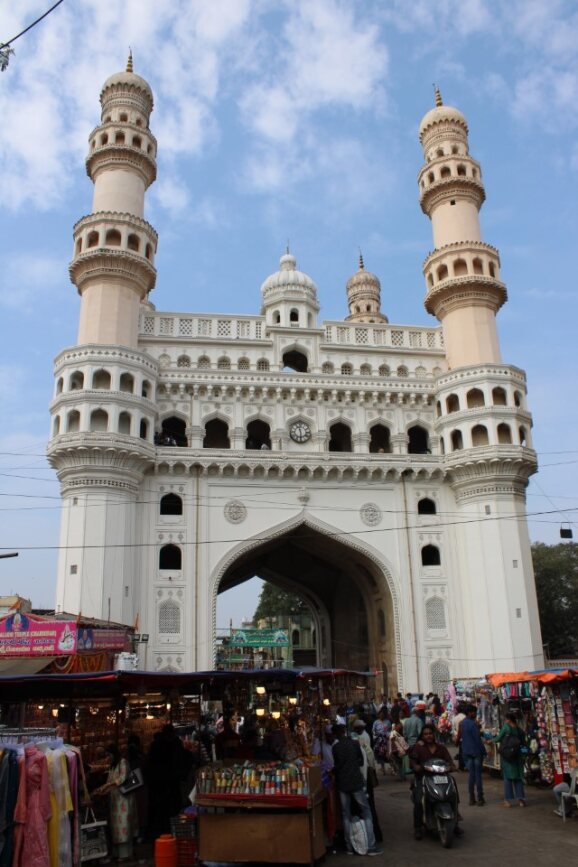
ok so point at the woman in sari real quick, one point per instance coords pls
(122, 822)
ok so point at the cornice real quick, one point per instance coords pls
(459, 247)
(121, 156)
(104, 263)
(479, 413)
(90, 352)
(456, 185)
(469, 290)
(474, 372)
(115, 217)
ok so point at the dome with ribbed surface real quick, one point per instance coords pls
(289, 277)
(129, 80)
(441, 114)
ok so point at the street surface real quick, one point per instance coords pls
(492, 834)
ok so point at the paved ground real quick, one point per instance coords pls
(493, 835)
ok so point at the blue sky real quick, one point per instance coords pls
(286, 120)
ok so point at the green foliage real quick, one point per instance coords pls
(274, 602)
(556, 570)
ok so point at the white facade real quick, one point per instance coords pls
(392, 491)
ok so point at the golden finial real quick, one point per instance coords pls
(129, 67)
(438, 96)
(361, 265)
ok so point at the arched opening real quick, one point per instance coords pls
(123, 117)
(492, 269)
(402, 370)
(143, 430)
(379, 441)
(137, 141)
(73, 421)
(124, 423)
(119, 138)
(174, 432)
(224, 363)
(79, 246)
(204, 363)
(103, 139)
(499, 396)
(480, 436)
(365, 370)
(127, 383)
(327, 367)
(183, 361)
(101, 379)
(98, 420)
(442, 272)
(317, 584)
(113, 238)
(384, 370)
(133, 243)
(340, 438)
(295, 360)
(426, 506)
(438, 409)
(430, 279)
(295, 638)
(148, 252)
(171, 504)
(258, 435)
(452, 403)
(294, 316)
(263, 364)
(504, 434)
(56, 426)
(243, 364)
(276, 317)
(445, 172)
(478, 266)
(523, 436)
(431, 177)
(442, 446)
(475, 398)
(418, 443)
(216, 435)
(460, 268)
(430, 556)
(346, 370)
(517, 398)
(457, 440)
(146, 389)
(59, 385)
(439, 152)
(170, 557)
(461, 171)
(92, 239)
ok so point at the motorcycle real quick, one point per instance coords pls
(440, 800)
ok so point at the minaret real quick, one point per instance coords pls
(464, 289)
(114, 247)
(482, 419)
(364, 296)
(103, 411)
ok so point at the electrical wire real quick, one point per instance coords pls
(30, 26)
(311, 535)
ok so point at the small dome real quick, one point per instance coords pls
(439, 114)
(363, 278)
(289, 277)
(127, 78)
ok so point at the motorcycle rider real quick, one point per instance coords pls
(426, 748)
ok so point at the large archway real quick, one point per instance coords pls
(345, 585)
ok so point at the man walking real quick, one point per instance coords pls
(473, 752)
(412, 727)
(348, 761)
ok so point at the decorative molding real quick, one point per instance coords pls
(371, 514)
(235, 512)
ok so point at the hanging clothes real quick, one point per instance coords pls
(59, 837)
(123, 819)
(73, 763)
(7, 805)
(32, 811)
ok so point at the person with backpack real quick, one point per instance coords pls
(512, 740)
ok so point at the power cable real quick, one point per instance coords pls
(30, 26)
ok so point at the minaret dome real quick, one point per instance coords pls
(364, 296)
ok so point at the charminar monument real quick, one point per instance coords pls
(378, 470)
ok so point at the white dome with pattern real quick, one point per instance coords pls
(288, 277)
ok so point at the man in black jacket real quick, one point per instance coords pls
(348, 760)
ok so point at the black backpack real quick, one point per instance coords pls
(510, 747)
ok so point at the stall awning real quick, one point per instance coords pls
(16, 666)
(547, 675)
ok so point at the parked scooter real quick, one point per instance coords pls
(440, 800)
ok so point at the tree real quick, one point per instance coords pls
(556, 570)
(274, 602)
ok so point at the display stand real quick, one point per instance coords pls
(271, 829)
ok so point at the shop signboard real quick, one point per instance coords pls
(101, 639)
(27, 635)
(260, 638)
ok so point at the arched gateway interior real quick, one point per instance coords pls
(346, 591)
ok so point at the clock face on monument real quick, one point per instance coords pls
(300, 432)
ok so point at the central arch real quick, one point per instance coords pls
(346, 583)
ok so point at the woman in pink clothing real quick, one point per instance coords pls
(32, 812)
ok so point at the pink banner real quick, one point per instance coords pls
(27, 635)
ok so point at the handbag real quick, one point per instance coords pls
(133, 781)
(93, 839)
